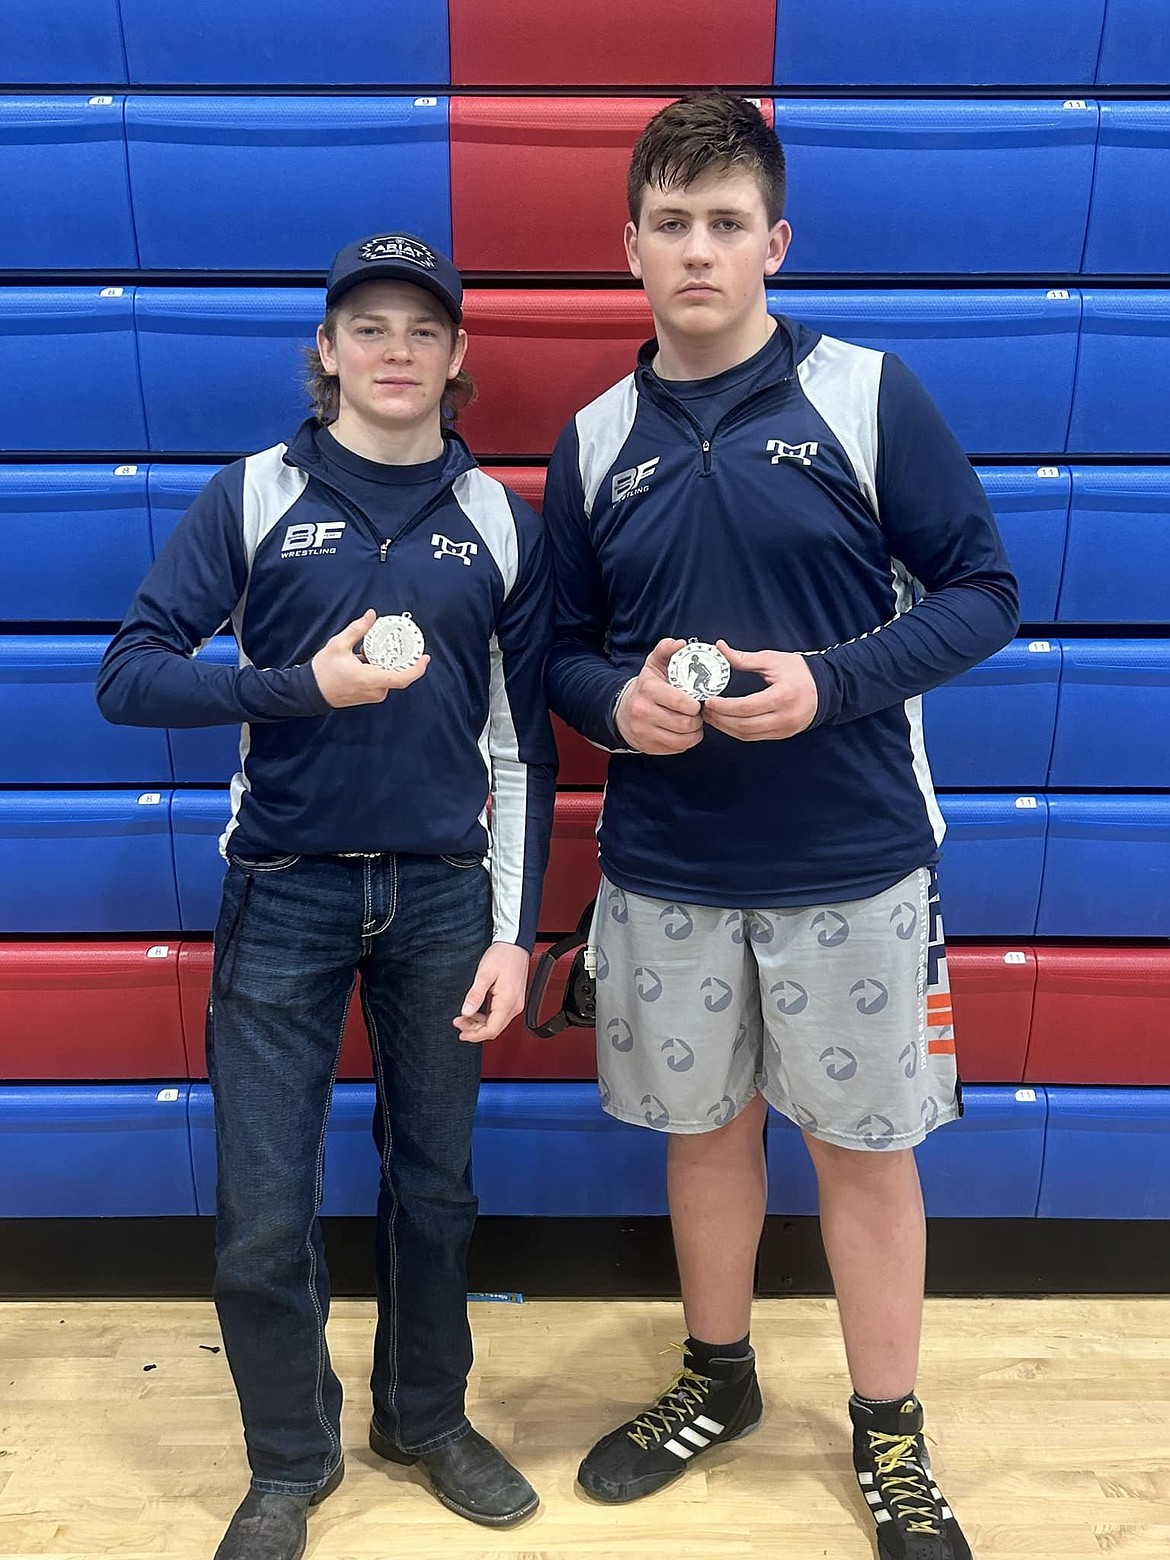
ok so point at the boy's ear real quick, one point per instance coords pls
(778, 241)
(325, 351)
(458, 353)
(631, 243)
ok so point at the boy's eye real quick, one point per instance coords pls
(670, 225)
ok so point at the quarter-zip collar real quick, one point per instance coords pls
(303, 454)
(797, 339)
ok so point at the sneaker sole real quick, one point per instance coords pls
(671, 1478)
(391, 1453)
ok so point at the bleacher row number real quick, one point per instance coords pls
(1026, 803)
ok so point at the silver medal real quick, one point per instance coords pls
(394, 643)
(699, 669)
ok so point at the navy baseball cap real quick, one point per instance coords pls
(398, 257)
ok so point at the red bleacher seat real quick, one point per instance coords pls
(1102, 1016)
(194, 985)
(90, 1011)
(538, 357)
(539, 184)
(993, 990)
(516, 1054)
(530, 43)
(525, 481)
(573, 873)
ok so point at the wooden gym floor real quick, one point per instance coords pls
(1050, 1419)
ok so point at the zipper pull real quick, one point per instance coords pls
(382, 551)
(706, 456)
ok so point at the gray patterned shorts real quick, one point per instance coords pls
(840, 1015)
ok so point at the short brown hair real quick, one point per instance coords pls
(701, 132)
(325, 389)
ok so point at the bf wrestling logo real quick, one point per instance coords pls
(394, 246)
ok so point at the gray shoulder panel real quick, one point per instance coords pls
(270, 490)
(485, 503)
(841, 382)
(602, 428)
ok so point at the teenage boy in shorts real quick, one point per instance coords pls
(768, 927)
(359, 842)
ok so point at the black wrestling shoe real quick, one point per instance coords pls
(470, 1476)
(913, 1520)
(273, 1527)
(695, 1414)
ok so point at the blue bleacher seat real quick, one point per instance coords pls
(992, 864)
(351, 1160)
(1131, 190)
(62, 42)
(984, 1166)
(1113, 731)
(54, 733)
(1107, 1155)
(93, 516)
(57, 344)
(1135, 44)
(932, 185)
(86, 1151)
(286, 42)
(1107, 870)
(63, 184)
(912, 42)
(170, 492)
(86, 861)
(198, 818)
(1117, 568)
(1031, 510)
(1123, 374)
(999, 364)
(993, 726)
(208, 755)
(548, 1149)
(222, 370)
(281, 183)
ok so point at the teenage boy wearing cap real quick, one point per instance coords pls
(359, 841)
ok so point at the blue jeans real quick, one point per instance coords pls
(291, 933)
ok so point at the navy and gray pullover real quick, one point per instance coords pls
(828, 511)
(275, 546)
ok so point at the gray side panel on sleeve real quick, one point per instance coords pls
(602, 428)
(841, 382)
(485, 503)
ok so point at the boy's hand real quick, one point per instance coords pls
(653, 716)
(786, 707)
(345, 680)
(500, 981)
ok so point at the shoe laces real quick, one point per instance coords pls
(903, 1481)
(687, 1392)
